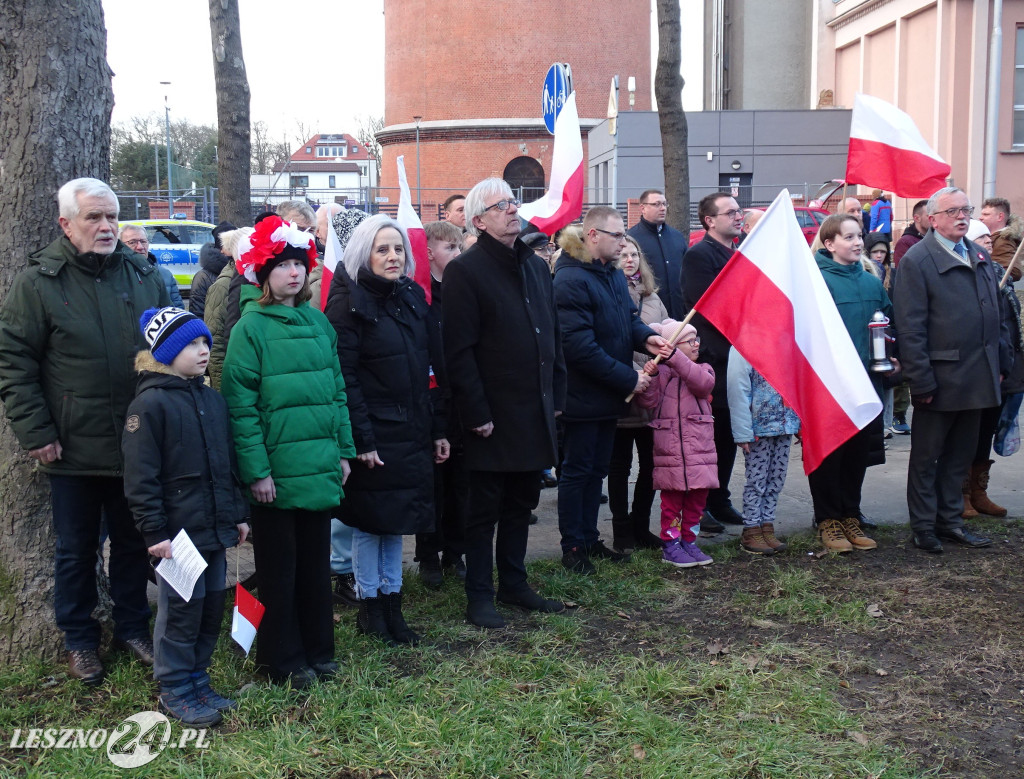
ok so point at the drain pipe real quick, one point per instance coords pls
(995, 55)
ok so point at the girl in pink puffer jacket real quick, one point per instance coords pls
(685, 462)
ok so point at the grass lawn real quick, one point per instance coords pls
(884, 664)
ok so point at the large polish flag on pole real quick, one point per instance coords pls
(771, 302)
(887, 151)
(563, 202)
(412, 225)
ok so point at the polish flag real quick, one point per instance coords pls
(332, 256)
(247, 614)
(563, 202)
(772, 303)
(887, 151)
(412, 225)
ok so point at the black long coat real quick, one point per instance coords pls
(503, 355)
(953, 339)
(664, 251)
(384, 349)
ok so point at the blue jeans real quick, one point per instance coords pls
(587, 454)
(78, 504)
(376, 563)
(341, 547)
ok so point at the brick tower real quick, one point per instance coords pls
(473, 71)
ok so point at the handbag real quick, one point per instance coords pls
(1007, 440)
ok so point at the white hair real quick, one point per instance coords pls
(126, 228)
(933, 202)
(290, 209)
(360, 245)
(67, 195)
(476, 200)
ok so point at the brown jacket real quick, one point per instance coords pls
(1005, 243)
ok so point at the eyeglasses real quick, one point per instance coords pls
(695, 341)
(953, 213)
(616, 236)
(731, 214)
(504, 205)
(657, 204)
(137, 242)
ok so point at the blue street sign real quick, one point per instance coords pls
(556, 91)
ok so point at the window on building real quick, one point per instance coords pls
(331, 182)
(1018, 90)
(308, 150)
(298, 181)
(355, 150)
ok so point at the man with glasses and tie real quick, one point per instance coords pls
(600, 331)
(503, 360)
(955, 348)
(722, 217)
(663, 247)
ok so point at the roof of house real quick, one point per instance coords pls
(327, 166)
(325, 139)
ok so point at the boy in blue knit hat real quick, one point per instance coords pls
(179, 474)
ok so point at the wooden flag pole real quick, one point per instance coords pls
(671, 341)
(1012, 264)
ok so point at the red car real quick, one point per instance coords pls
(810, 220)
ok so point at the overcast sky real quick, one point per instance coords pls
(291, 49)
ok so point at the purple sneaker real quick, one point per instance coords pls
(694, 553)
(674, 554)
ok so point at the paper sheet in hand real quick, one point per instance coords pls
(184, 569)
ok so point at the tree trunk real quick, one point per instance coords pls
(54, 126)
(233, 149)
(668, 90)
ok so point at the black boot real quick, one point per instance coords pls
(643, 538)
(622, 534)
(372, 620)
(400, 631)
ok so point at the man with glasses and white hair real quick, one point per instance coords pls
(663, 247)
(69, 331)
(955, 349)
(134, 237)
(503, 357)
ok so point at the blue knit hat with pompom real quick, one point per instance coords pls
(169, 330)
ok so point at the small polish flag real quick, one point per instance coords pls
(887, 151)
(773, 305)
(412, 225)
(247, 614)
(563, 202)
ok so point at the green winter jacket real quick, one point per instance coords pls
(69, 332)
(214, 313)
(858, 294)
(286, 398)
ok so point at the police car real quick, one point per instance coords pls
(176, 244)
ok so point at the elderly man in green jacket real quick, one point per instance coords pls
(69, 332)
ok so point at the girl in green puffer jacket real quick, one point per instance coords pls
(286, 398)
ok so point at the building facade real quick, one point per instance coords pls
(327, 168)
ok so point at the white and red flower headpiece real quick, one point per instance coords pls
(273, 241)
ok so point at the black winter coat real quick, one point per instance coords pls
(600, 331)
(503, 355)
(701, 266)
(211, 262)
(664, 252)
(385, 344)
(180, 460)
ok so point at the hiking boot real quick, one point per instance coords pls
(674, 554)
(752, 540)
(899, 424)
(979, 491)
(345, 590)
(768, 532)
(207, 696)
(397, 626)
(139, 648)
(372, 620)
(710, 526)
(856, 537)
(830, 532)
(599, 551)
(181, 703)
(577, 561)
(695, 553)
(85, 665)
(430, 573)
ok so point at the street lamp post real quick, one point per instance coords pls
(167, 140)
(419, 194)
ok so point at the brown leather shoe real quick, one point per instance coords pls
(768, 533)
(85, 665)
(140, 648)
(752, 540)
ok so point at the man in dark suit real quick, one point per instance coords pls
(503, 355)
(955, 349)
(663, 247)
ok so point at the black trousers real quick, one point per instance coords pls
(451, 501)
(986, 434)
(942, 446)
(292, 549)
(725, 448)
(501, 500)
(836, 483)
(626, 523)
